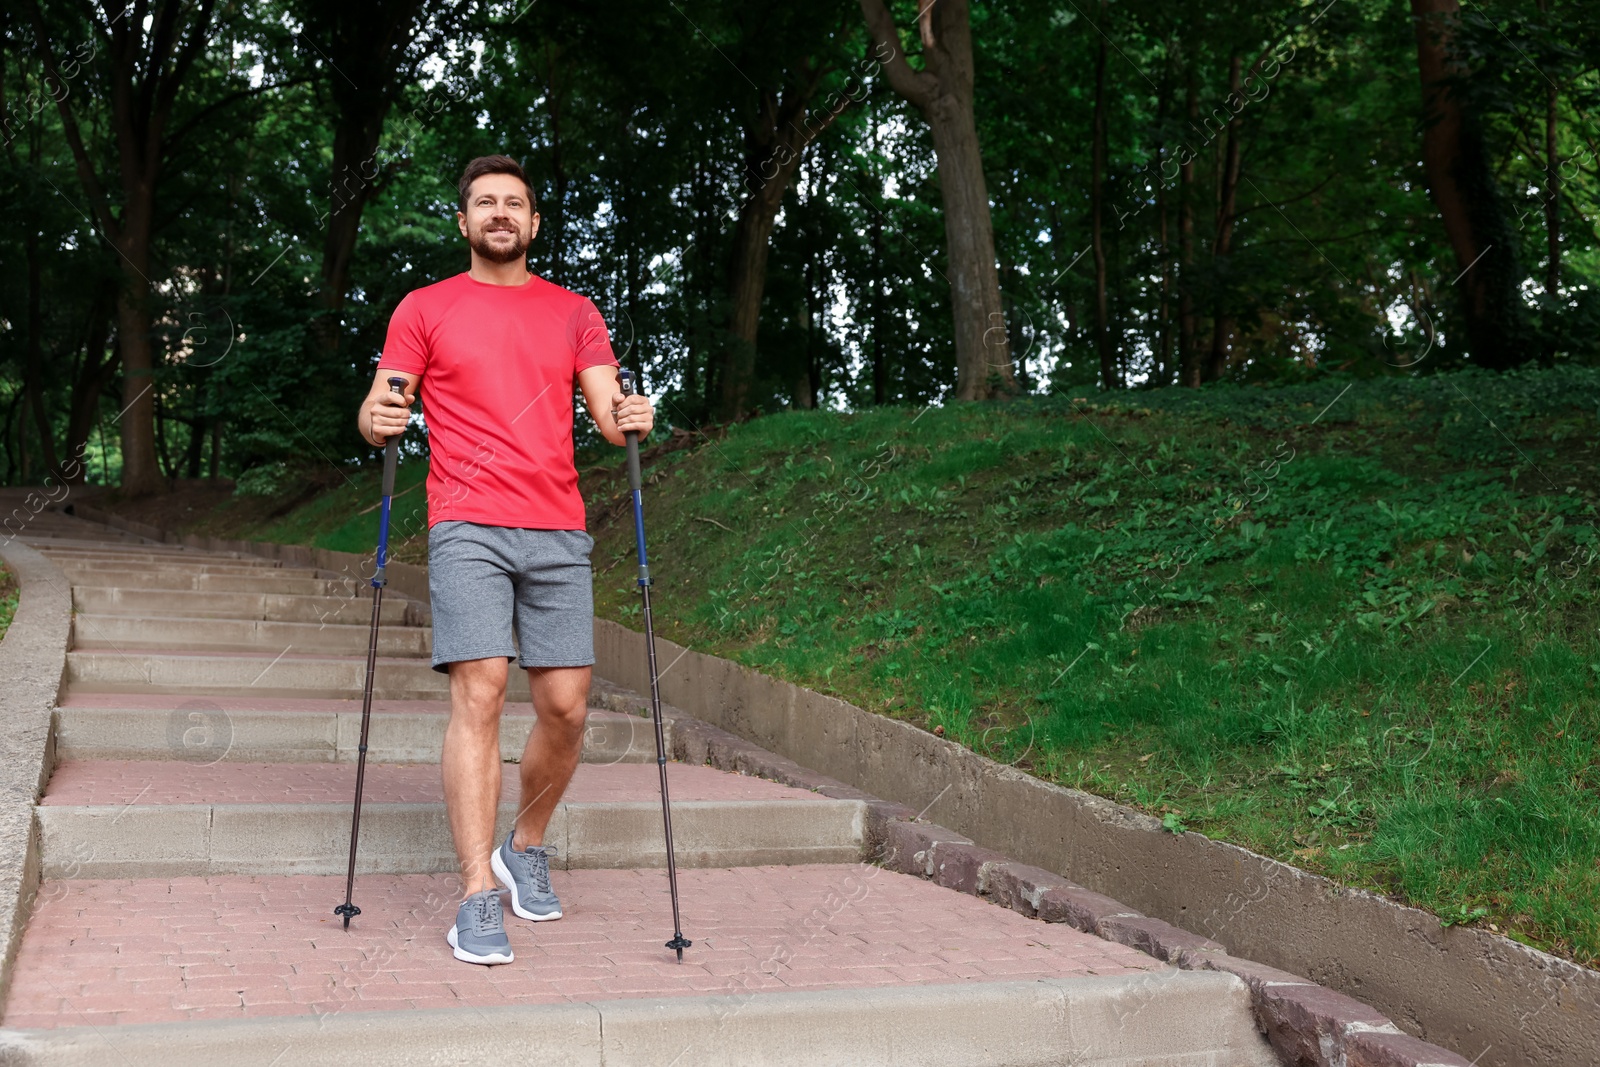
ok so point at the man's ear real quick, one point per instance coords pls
(461, 223)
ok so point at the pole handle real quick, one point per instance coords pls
(625, 385)
(391, 447)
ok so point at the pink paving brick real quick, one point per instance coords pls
(113, 951)
(116, 782)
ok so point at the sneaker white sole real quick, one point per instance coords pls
(470, 957)
(498, 865)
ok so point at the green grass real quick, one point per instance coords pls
(1363, 644)
(8, 599)
(342, 517)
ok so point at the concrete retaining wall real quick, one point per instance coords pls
(1493, 1000)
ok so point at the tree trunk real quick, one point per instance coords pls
(1188, 327)
(148, 61)
(1097, 177)
(216, 445)
(880, 355)
(94, 374)
(366, 44)
(943, 92)
(775, 144)
(355, 145)
(141, 476)
(1552, 184)
(558, 172)
(1161, 373)
(1222, 247)
(747, 282)
(1456, 162)
(35, 352)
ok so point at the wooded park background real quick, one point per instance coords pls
(212, 209)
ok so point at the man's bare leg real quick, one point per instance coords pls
(555, 745)
(471, 765)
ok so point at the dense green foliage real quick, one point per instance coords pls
(634, 121)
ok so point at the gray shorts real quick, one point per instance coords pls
(487, 583)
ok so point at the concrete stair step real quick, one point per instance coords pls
(817, 965)
(204, 731)
(117, 565)
(246, 635)
(355, 609)
(169, 841)
(146, 554)
(289, 673)
(45, 539)
(136, 819)
(179, 578)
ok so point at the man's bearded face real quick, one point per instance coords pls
(499, 239)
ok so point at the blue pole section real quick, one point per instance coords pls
(638, 536)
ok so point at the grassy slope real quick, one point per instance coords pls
(8, 599)
(1359, 638)
(337, 511)
(1365, 644)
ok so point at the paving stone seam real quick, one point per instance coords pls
(1306, 1023)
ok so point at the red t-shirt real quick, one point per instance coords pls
(498, 366)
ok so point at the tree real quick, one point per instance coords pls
(1464, 189)
(780, 116)
(147, 71)
(942, 91)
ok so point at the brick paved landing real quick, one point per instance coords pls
(154, 782)
(127, 951)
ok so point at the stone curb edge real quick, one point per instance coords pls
(965, 1023)
(33, 657)
(1306, 1023)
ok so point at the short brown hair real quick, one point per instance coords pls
(492, 165)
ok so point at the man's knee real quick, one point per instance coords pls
(477, 692)
(561, 700)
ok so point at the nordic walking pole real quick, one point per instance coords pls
(391, 455)
(678, 942)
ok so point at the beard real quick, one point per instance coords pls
(504, 252)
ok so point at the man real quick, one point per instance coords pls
(496, 351)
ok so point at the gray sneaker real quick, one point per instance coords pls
(527, 875)
(479, 935)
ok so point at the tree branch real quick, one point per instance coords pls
(171, 143)
(917, 87)
(69, 123)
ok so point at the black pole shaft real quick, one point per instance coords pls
(678, 942)
(348, 909)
